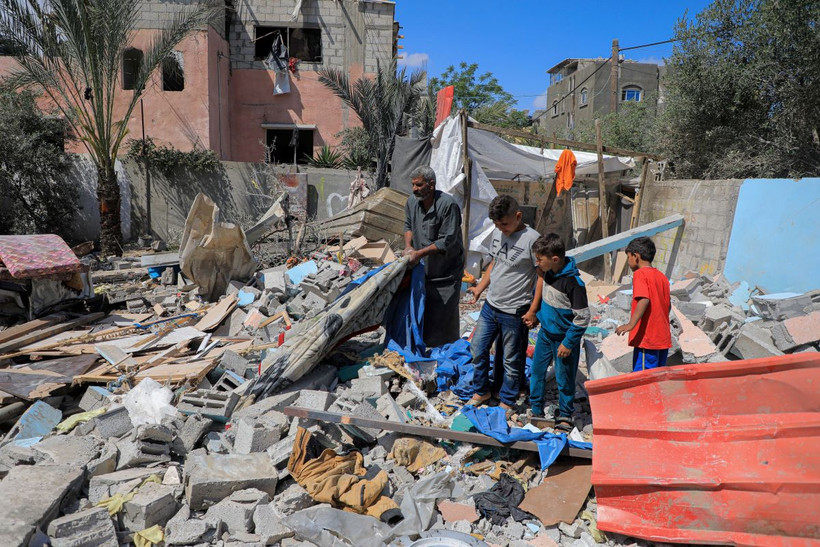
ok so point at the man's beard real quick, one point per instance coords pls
(419, 195)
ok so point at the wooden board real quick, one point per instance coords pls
(42, 334)
(178, 373)
(23, 329)
(217, 314)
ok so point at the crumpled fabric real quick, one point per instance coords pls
(501, 501)
(492, 421)
(149, 537)
(115, 503)
(404, 318)
(73, 421)
(415, 454)
(338, 480)
(565, 171)
(522, 470)
(454, 369)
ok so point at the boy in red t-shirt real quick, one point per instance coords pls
(648, 327)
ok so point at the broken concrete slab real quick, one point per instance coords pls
(152, 504)
(92, 527)
(805, 329)
(279, 453)
(372, 386)
(210, 479)
(32, 496)
(269, 525)
(618, 352)
(195, 426)
(95, 397)
(390, 409)
(71, 450)
(695, 345)
(104, 486)
(780, 306)
(754, 342)
(237, 511)
(294, 498)
(275, 402)
(257, 435)
(315, 400)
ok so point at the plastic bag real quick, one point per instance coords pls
(149, 403)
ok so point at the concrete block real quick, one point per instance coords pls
(274, 280)
(279, 453)
(294, 498)
(390, 409)
(684, 289)
(695, 345)
(37, 421)
(193, 532)
(754, 342)
(623, 299)
(315, 400)
(781, 306)
(103, 486)
(146, 444)
(192, 431)
(229, 381)
(275, 402)
(210, 479)
(236, 512)
(95, 397)
(114, 423)
(618, 352)
(407, 398)
(256, 435)
(234, 362)
(216, 405)
(89, 528)
(367, 434)
(369, 387)
(70, 449)
(804, 329)
(268, 524)
(32, 496)
(693, 311)
(152, 504)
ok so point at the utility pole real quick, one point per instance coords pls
(613, 79)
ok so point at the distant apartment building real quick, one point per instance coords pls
(218, 92)
(580, 90)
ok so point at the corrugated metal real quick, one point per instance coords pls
(711, 453)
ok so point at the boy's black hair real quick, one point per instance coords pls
(643, 247)
(549, 245)
(503, 206)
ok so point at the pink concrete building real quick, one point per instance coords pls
(218, 93)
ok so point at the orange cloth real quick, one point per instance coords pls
(565, 171)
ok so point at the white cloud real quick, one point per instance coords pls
(540, 102)
(414, 60)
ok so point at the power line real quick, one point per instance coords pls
(554, 104)
(649, 45)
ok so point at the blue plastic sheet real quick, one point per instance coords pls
(455, 368)
(404, 319)
(492, 421)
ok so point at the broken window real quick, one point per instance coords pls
(173, 73)
(289, 145)
(631, 93)
(131, 63)
(304, 43)
(584, 96)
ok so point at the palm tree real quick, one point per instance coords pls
(72, 50)
(381, 104)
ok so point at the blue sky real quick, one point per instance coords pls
(519, 40)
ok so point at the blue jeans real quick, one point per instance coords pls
(546, 350)
(513, 331)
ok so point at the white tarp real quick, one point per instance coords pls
(494, 157)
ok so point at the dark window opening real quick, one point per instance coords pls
(303, 43)
(173, 75)
(131, 64)
(282, 143)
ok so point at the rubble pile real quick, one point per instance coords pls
(141, 425)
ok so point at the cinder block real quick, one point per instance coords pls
(695, 345)
(192, 431)
(279, 453)
(95, 397)
(256, 435)
(84, 529)
(314, 400)
(236, 512)
(229, 381)
(269, 526)
(684, 289)
(103, 486)
(275, 402)
(146, 444)
(152, 504)
(369, 387)
(234, 362)
(216, 405)
(114, 423)
(210, 479)
(781, 306)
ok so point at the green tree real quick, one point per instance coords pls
(72, 51)
(32, 169)
(742, 98)
(381, 103)
(481, 95)
(633, 126)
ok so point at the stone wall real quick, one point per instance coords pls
(708, 207)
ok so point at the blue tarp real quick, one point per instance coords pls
(492, 421)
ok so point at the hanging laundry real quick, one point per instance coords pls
(277, 61)
(565, 171)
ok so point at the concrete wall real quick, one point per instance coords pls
(775, 241)
(708, 207)
(83, 174)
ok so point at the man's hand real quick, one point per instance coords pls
(563, 352)
(623, 329)
(407, 251)
(415, 256)
(476, 292)
(530, 319)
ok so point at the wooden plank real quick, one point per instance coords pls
(178, 372)
(23, 329)
(216, 314)
(42, 334)
(423, 431)
(613, 243)
(574, 145)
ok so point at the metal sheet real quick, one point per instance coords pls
(711, 453)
